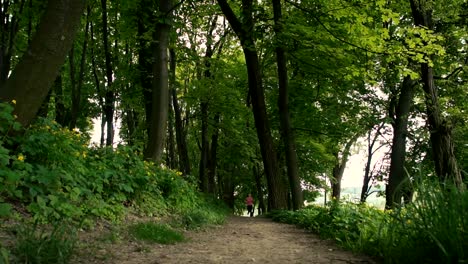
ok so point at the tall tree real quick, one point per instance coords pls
(77, 86)
(446, 166)
(181, 139)
(31, 79)
(283, 105)
(109, 98)
(398, 178)
(245, 32)
(160, 85)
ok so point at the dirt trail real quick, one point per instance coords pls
(240, 240)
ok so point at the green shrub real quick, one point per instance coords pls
(433, 229)
(35, 245)
(157, 233)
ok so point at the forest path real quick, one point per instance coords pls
(239, 240)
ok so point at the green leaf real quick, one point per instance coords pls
(5, 209)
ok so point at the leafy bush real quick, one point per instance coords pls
(157, 233)
(59, 176)
(34, 245)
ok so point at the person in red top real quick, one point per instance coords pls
(249, 201)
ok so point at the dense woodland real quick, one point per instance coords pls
(267, 97)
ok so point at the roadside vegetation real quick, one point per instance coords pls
(432, 229)
(53, 183)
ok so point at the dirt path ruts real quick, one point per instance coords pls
(240, 240)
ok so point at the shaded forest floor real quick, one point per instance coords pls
(239, 240)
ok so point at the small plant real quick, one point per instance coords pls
(4, 255)
(156, 233)
(35, 245)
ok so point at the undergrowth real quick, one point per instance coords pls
(53, 175)
(433, 229)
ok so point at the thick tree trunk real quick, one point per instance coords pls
(182, 150)
(160, 86)
(30, 81)
(446, 166)
(283, 103)
(277, 193)
(398, 178)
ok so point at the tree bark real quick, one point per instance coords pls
(202, 176)
(277, 193)
(109, 97)
(261, 209)
(30, 81)
(446, 165)
(212, 158)
(398, 178)
(283, 105)
(76, 88)
(184, 161)
(160, 85)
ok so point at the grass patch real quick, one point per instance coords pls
(156, 233)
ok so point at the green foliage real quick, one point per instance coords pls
(57, 174)
(156, 233)
(4, 255)
(431, 230)
(34, 245)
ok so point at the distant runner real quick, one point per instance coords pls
(249, 201)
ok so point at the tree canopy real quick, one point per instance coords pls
(262, 97)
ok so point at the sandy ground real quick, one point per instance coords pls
(240, 240)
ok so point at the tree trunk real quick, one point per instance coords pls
(77, 87)
(204, 148)
(171, 157)
(144, 58)
(160, 86)
(184, 161)
(109, 97)
(370, 153)
(398, 178)
(212, 158)
(340, 166)
(30, 81)
(446, 166)
(277, 192)
(261, 209)
(283, 105)
(60, 110)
